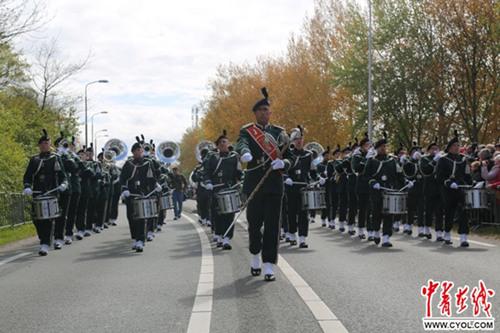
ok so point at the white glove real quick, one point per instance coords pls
(209, 186)
(376, 186)
(416, 155)
(410, 184)
(402, 159)
(322, 181)
(63, 187)
(158, 187)
(371, 153)
(246, 157)
(437, 157)
(278, 164)
(126, 194)
(28, 191)
(289, 181)
(454, 186)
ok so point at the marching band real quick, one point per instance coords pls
(359, 189)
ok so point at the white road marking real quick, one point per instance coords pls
(327, 320)
(202, 308)
(17, 256)
(476, 242)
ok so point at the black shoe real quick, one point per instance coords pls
(421, 235)
(96, 230)
(227, 247)
(464, 244)
(139, 249)
(281, 237)
(439, 239)
(362, 236)
(370, 238)
(175, 218)
(313, 221)
(332, 226)
(395, 229)
(105, 226)
(158, 229)
(448, 242)
(287, 240)
(352, 232)
(114, 224)
(342, 229)
(303, 246)
(428, 236)
(376, 240)
(293, 242)
(255, 271)
(219, 244)
(269, 277)
(387, 244)
(409, 232)
(78, 237)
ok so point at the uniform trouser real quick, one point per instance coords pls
(264, 209)
(364, 219)
(43, 230)
(222, 222)
(454, 201)
(353, 207)
(378, 217)
(161, 217)
(434, 210)
(415, 208)
(296, 216)
(91, 213)
(343, 205)
(113, 207)
(81, 216)
(334, 202)
(102, 204)
(203, 204)
(64, 200)
(72, 213)
(327, 212)
(284, 214)
(137, 227)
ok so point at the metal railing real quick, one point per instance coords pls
(14, 209)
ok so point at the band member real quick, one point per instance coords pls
(415, 203)
(165, 180)
(45, 172)
(104, 184)
(352, 179)
(431, 190)
(137, 179)
(453, 171)
(322, 170)
(342, 170)
(93, 191)
(400, 156)
(86, 174)
(203, 196)
(333, 187)
(221, 171)
(258, 145)
(76, 191)
(149, 154)
(382, 173)
(299, 176)
(359, 159)
(114, 172)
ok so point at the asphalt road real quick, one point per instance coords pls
(340, 284)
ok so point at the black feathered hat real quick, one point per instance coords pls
(432, 144)
(137, 145)
(91, 148)
(399, 149)
(364, 140)
(327, 151)
(452, 141)
(221, 137)
(382, 141)
(347, 148)
(262, 102)
(415, 147)
(45, 136)
(355, 144)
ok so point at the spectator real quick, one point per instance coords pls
(180, 185)
(475, 171)
(492, 176)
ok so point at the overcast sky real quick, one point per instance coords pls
(159, 54)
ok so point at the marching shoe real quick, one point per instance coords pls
(464, 244)
(149, 237)
(226, 244)
(376, 240)
(209, 224)
(386, 241)
(87, 233)
(447, 238)
(293, 242)
(112, 222)
(58, 244)
(303, 244)
(158, 228)
(175, 218)
(219, 243)
(387, 244)
(215, 238)
(428, 236)
(96, 230)
(362, 236)
(79, 235)
(269, 272)
(139, 246)
(421, 232)
(370, 236)
(323, 222)
(312, 220)
(105, 226)
(395, 226)
(341, 226)
(448, 242)
(439, 239)
(331, 225)
(427, 233)
(255, 269)
(44, 250)
(134, 245)
(68, 240)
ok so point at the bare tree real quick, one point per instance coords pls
(49, 71)
(18, 17)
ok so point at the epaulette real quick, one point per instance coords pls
(278, 127)
(246, 126)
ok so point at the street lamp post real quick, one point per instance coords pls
(86, 108)
(100, 131)
(92, 123)
(97, 137)
(370, 97)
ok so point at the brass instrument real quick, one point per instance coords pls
(318, 149)
(203, 145)
(168, 152)
(114, 150)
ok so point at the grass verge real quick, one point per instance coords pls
(9, 235)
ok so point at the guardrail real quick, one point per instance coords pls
(14, 209)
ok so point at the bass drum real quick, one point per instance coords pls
(228, 201)
(313, 199)
(46, 208)
(394, 203)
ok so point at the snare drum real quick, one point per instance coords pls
(394, 203)
(476, 198)
(228, 201)
(313, 198)
(166, 202)
(46, 208)
(145, 208)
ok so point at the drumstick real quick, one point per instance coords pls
(254, 192)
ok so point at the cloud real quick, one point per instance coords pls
(159, 55)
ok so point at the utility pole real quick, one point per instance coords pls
(370, 97)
